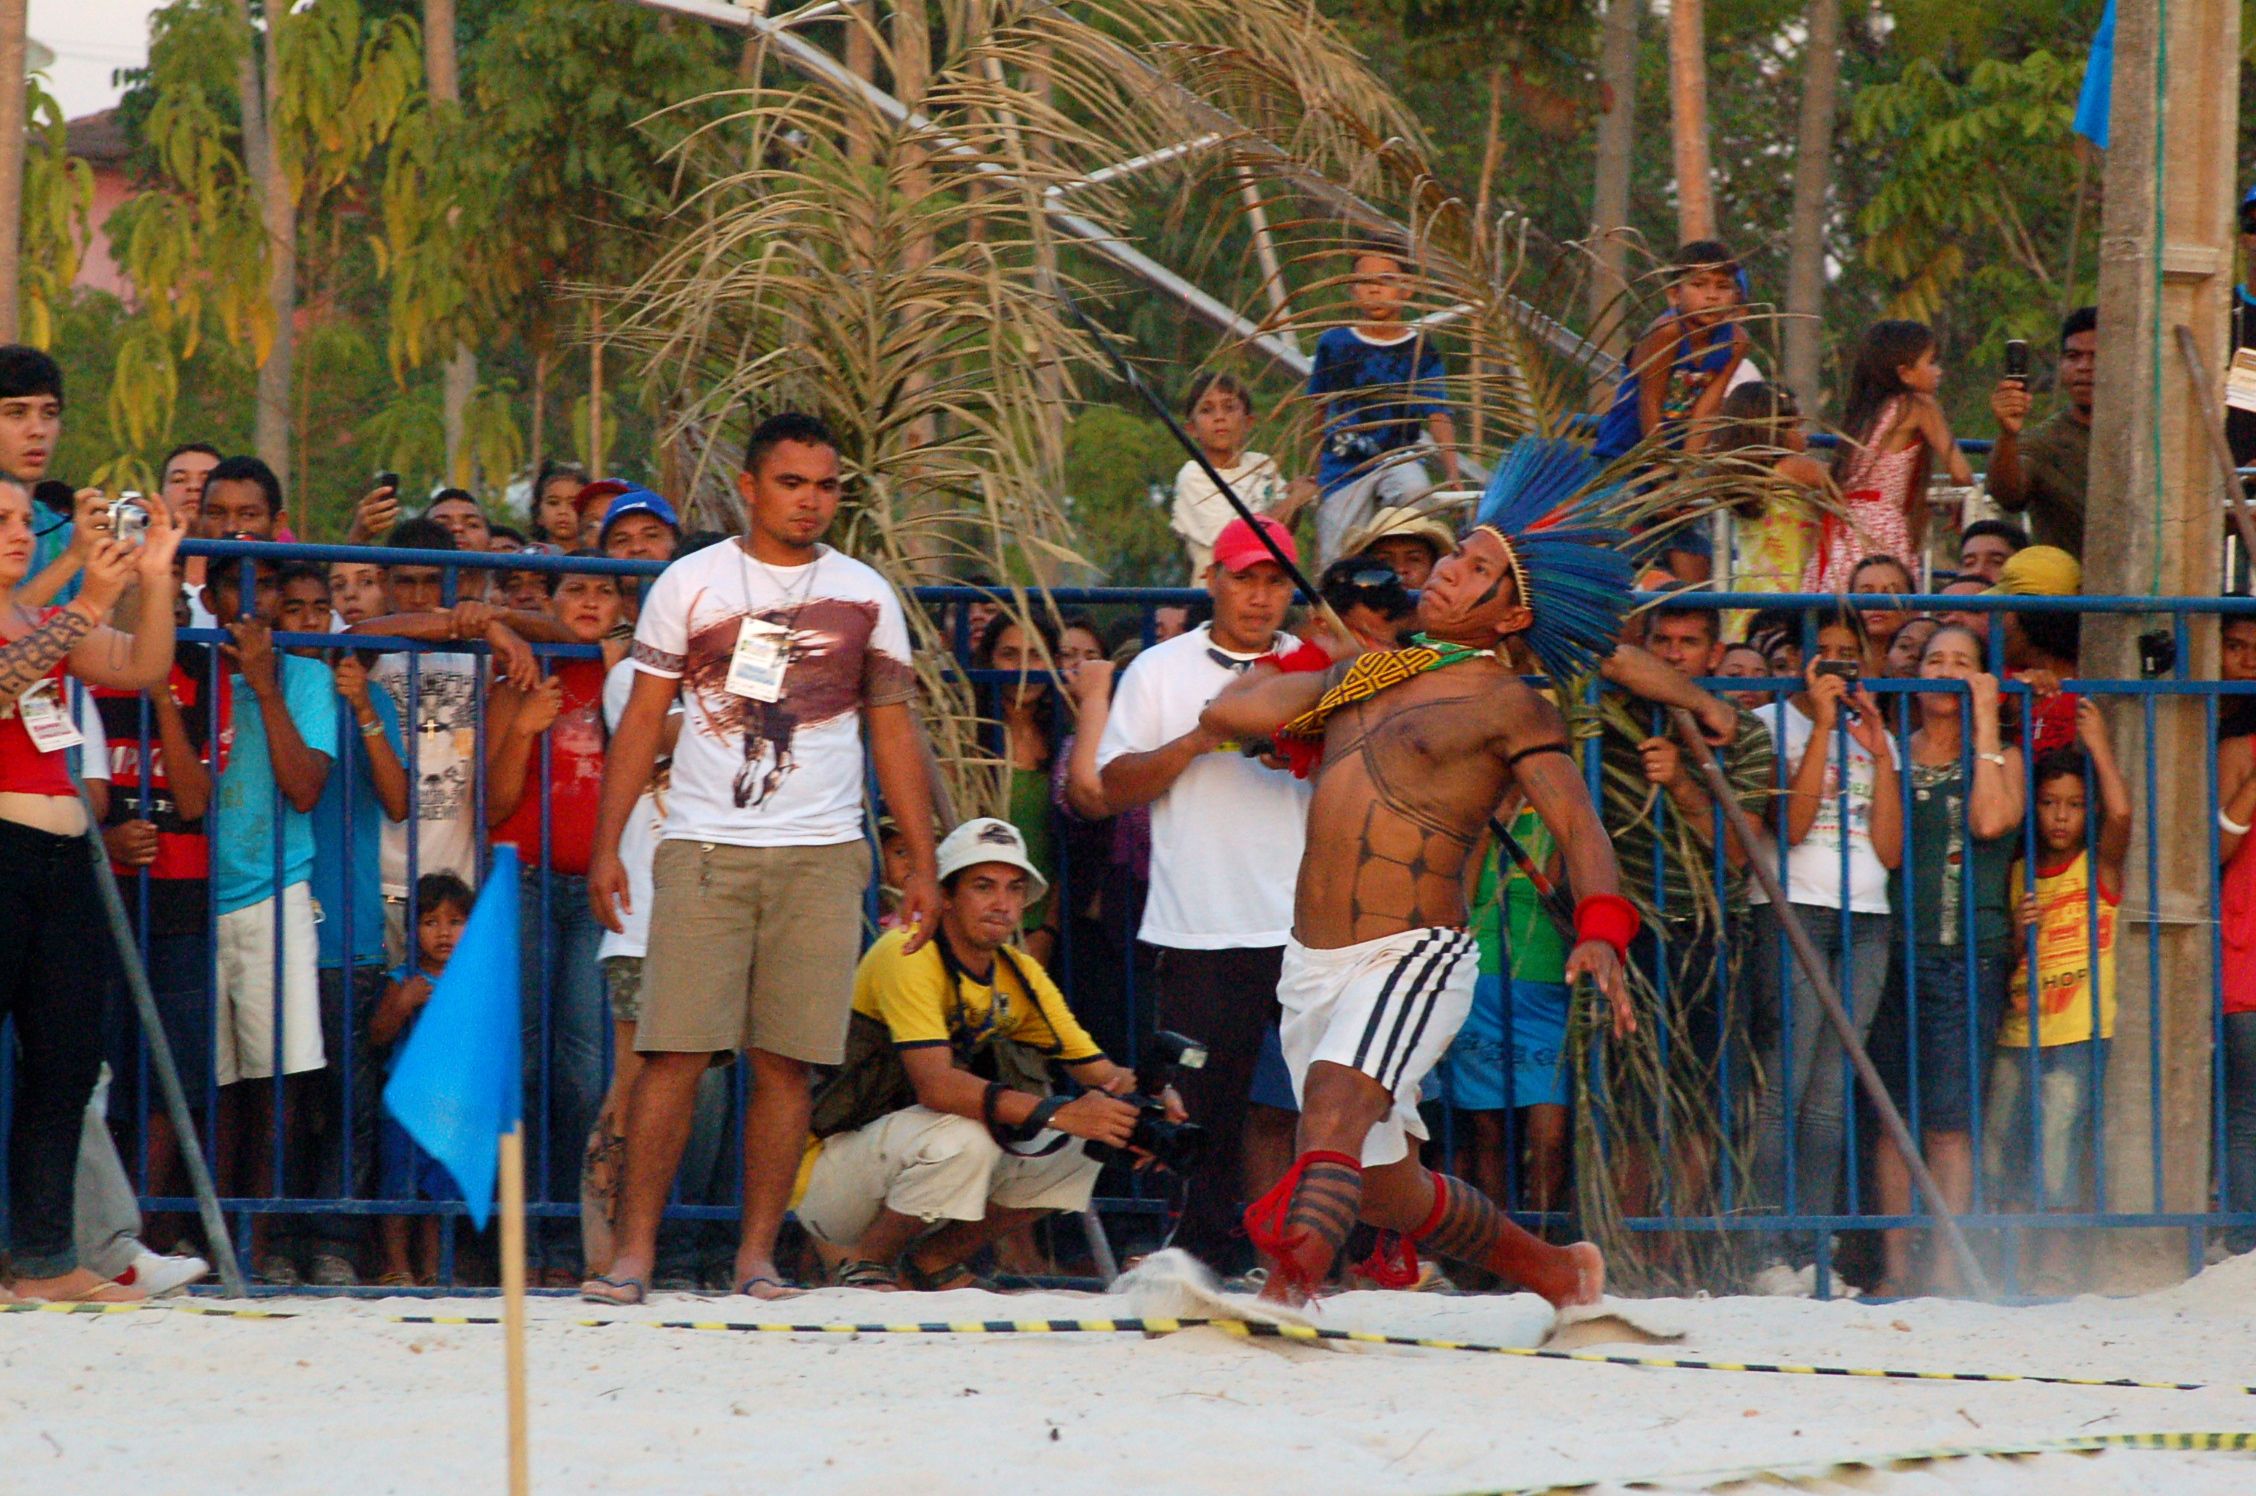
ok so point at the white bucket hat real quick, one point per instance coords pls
(989, 839)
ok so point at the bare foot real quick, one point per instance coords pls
(761, 1279)
(1590, 1277)
(78, 1286)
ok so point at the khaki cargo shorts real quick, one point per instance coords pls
(753, 948)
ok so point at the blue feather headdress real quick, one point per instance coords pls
(1572, 571)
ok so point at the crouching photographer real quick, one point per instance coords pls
(939, 1134)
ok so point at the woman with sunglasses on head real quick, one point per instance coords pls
(62, 957)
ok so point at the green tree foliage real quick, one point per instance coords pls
(1975, 216)
(1119, 477)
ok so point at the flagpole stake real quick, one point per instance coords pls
(513, 1299)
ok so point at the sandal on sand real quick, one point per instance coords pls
(624, 1293)
(767, 1289)
(941, 1280)
(860, 1272)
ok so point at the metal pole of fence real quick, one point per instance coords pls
(1813, 966)
(160, 1054)
(2212, 427)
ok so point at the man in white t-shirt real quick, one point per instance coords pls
(1226, 838)
(783, 653)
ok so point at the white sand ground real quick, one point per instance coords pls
(340, 1399)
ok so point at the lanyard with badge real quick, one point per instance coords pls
(762, 655)
(47, 719)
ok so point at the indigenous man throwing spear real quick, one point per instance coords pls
(1419, 746)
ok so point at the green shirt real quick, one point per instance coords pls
(1526, 937)
(1749, 765)
(1938, 871)
(2055, 466)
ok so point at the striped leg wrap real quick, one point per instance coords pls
(1465, 1225)
(1303, 1221)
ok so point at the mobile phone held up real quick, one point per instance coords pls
(2017, 359)
(1850, 673)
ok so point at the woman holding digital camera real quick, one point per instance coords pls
(58, 970)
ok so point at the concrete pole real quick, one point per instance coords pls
(2155, 528)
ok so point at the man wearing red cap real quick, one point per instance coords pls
(1226, 838)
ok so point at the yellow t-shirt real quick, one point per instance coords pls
(915, 999)
(2064, 928)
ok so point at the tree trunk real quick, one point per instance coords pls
(278, 217)
(1688, 107)
(440, 72)
(12, 126)
(1492, 153)
(1617, 149)
(595, 390)
(1813, 181)
(540, 426)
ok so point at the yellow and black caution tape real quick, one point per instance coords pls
(1156, 1326)
(1259, 1331)
(2235, 1441)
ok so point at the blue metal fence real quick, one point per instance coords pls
(339, 1185)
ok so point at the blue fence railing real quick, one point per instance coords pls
(315, 1178)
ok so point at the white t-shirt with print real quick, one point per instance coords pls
(1200, 511)
(1227, 835)
(786, 773)
(440, 754)
(1813, 868)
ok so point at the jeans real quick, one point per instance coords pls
(54, 983)
(564, 1059)
(1799, 1126)
(2240, 1125)
(105, 1213)
(2041, 1153)
(337, 1158)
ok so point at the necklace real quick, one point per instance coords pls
(1372, 673)
(806, 582)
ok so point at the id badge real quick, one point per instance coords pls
(762, 654)
(44, 718)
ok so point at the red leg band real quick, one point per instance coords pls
(1393, 1263)
(1299, 1255)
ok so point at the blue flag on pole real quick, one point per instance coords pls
(458, 1085)
(2099, 76)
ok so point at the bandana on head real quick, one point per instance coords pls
(1572, 571)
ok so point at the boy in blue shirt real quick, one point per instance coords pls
(1380, 386)
(277, 735)
(442, 909)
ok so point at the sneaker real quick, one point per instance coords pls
(1778, 1281)
(158, 1276)
(278, 1270)
(328, 1270)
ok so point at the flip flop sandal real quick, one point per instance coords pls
(784, 1288)
(954, 1275)
(623, 1293)
(859, 1272)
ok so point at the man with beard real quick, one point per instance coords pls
(781, 650)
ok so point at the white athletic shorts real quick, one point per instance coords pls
(1387, 1007)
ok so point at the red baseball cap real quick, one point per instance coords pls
(601, 491)
(1237, 548)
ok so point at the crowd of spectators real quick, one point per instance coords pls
(300, 824)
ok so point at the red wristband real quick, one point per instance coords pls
(1302, 657)
(1607, 917)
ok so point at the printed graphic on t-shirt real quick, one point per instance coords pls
(446, 729)
(827, 653)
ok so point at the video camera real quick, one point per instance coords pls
(1177, 1146)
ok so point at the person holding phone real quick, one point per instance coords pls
(2043, 471)
(1839, 815)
